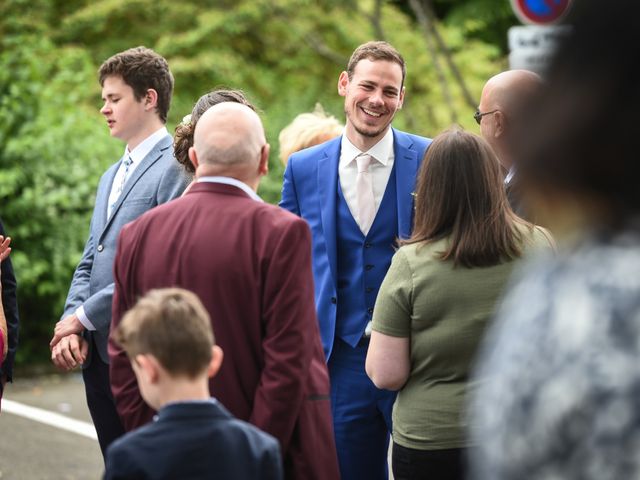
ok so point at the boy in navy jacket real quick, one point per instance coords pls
(168, 337)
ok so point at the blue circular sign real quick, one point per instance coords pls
(540, 12)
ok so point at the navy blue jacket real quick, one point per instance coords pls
(195, 440)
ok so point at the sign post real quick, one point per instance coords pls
(531, 46)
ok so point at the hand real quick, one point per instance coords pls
(5, 250)
(67, 326)
(71, 351)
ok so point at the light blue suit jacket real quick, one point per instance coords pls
(158, 179)
(310, 191)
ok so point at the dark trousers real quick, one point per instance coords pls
(100, 401)
(412, 464)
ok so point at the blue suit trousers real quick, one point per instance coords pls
(361, 414)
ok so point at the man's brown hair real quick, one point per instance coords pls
(141, 68)
(460, 196)
(374, 51)
(172, 325)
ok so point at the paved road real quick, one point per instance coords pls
(31, 450)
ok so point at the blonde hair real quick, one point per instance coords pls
(307, 130)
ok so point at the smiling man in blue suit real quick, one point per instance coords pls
(356, 194)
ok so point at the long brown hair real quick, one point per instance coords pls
(461, 196)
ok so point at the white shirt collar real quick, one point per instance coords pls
(381, 151)
(235, 182)
(144, 147)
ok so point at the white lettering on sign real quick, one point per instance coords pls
(535, 36)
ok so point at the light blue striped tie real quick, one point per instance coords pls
(127, 163)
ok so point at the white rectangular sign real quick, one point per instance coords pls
(539, 37)
(530, 59)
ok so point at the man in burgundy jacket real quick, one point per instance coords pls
(250, 264)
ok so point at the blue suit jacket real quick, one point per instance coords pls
(195, 441)
(310, 191)
(158, 179)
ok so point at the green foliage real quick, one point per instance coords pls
(285, 54)
(53, 149)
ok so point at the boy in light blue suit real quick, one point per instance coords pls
(136, 90)
(356, 209)
(193, 435)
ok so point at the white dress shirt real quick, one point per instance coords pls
(136, 155)
(235, 182)
(379, 170)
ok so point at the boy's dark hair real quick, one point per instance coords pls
(141, 68)
(172, 325)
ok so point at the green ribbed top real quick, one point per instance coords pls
(445, 312)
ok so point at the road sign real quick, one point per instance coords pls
(536, 37)
(540, 12)
(532, 46)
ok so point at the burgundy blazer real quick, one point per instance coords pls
(250, 264)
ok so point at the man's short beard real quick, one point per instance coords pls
(370, 134)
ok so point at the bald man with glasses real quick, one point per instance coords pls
(502, 104)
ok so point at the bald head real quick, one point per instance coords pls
(506, 95)
(507, 91)
(228, 134)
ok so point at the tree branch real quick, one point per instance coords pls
(448, 56)
(423, 20)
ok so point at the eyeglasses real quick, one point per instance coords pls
(478, 115)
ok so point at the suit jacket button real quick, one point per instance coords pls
(100, 248)
(334, 300)
(368, 267)
(369, 311)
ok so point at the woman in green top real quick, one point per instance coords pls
(438, 297)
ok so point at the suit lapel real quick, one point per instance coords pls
(327, 194)
(152, 157)
(406, 160)
(102, 197)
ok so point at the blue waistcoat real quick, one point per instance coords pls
(363, 262)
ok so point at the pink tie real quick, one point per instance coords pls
(364, 194)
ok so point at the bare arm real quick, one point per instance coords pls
(4, 253)
(3, 329)
(388, 363)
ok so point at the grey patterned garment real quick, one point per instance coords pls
(561, 392)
